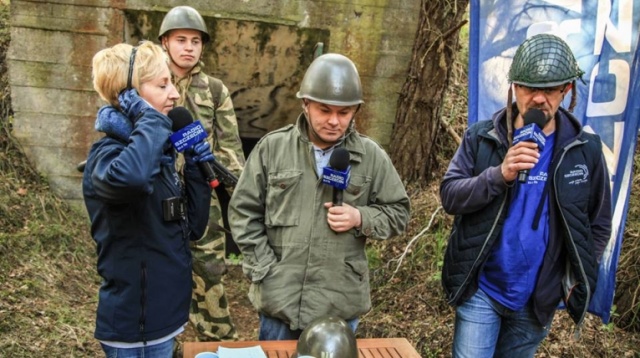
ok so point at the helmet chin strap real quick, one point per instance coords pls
(167, 50)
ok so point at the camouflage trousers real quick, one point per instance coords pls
(209, 312)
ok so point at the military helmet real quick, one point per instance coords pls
(329, 337)
(544, 60)
(332, 79)
(183, 17)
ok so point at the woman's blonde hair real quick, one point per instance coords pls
(110, 71)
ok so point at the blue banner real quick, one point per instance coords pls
(603, 35)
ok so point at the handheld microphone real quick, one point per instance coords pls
(337, 174)
(188, 133)
(534, 121)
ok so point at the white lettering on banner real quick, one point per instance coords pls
(622, 73)
(611, 153)
(619, 38)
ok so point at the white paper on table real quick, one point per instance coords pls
(248, 352)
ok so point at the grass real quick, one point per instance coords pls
(47, 274)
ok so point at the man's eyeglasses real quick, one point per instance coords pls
(547, 91)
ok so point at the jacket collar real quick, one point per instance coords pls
(568, 128)
(113, 123)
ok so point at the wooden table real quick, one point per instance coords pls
(368, 347)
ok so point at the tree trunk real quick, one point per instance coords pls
(417, 122)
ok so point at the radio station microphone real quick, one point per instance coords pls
(534, 121)
(337, 174)
(186, 134)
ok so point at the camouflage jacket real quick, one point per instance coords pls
(220, 121)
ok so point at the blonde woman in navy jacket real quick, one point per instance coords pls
(130, 177)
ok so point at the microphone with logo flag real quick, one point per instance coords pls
(534, 121)
(337, 174)
(182, 118)
(186, 134)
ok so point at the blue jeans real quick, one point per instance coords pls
(485, 328)
(273, 329)
(161, 350)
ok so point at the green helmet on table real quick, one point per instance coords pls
(327, 337)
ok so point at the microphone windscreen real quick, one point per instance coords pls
(180, 117)
(339, 159)
(536, 116)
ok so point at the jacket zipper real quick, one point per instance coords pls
(484, 245)
(573, 245)
(143, 300)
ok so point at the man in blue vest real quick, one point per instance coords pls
(520, 246)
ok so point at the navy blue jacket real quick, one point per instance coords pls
(144, 260)
(579, 214)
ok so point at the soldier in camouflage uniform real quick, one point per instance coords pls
(183, 34)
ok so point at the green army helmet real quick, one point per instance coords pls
(329, 337)
(184, 17)
(544, 60)
(332, 79)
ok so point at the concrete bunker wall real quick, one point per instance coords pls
(260, 49)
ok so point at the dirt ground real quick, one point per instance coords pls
(427, 323)
(242, 312)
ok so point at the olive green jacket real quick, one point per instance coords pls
(299, 268)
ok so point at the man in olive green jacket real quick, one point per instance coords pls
(305, 256)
